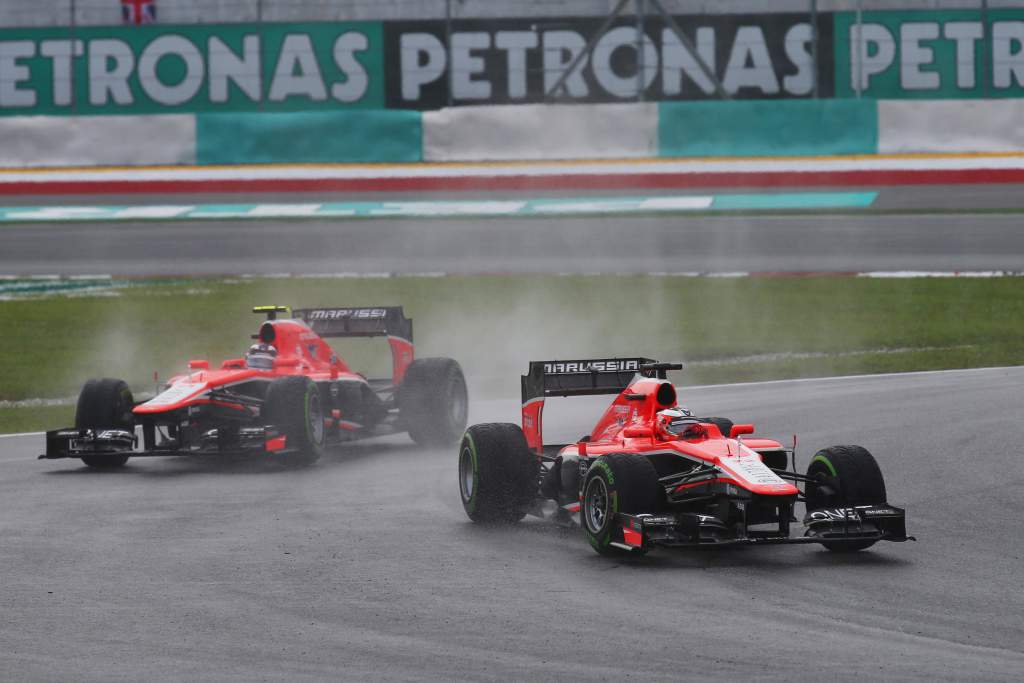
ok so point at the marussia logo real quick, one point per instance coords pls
(343, 313)
(572, 367)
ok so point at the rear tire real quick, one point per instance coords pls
(293, 405)
(433, 402)
(105, 404)
(497, 473)
(849, 476)
(617, 482)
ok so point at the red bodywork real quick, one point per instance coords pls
(628, 426)
(301, 351)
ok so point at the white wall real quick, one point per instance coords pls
(950, 126)
(38, 141)
(534, 131)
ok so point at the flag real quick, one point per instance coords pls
(138, 11)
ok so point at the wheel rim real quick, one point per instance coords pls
(457, 406)
(596, 505)
(467, 476)
(316, 419)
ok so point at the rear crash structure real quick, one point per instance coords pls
(650, 474)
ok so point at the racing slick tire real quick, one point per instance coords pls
(105, 404)
(293, 406)
(497, 473)
(849, 475)
(433, 402)
(724, 424)
(617, 482)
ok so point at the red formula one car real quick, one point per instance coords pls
(651, 474)
(290, 396)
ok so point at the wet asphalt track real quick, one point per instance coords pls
(672, 243)
(365, 567)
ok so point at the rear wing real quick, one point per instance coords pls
(578, 378)
(381, 321)
(385, 321)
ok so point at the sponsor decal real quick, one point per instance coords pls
(348, 313)
(176, 393)
(835, 515)
(509, 61)
(930, 54)
(584, 366)
(205, 67)
(748, 465)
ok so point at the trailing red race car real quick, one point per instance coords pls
(651, 474)
(291, 396)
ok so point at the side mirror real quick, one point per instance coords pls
(233, 364)
(740, 430)
(638, 432)
(286, 362)
(199, 365)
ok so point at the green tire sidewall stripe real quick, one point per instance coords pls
(825, 461)
(613, 499)
(310, 432)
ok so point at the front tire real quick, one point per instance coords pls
(617, 482)
(846, 476)
(293, 405)
(105, 404)
(497, 473)
(433, 401)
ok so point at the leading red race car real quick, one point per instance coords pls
(290, 396)
(651, 474)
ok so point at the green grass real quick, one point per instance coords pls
(725, 328)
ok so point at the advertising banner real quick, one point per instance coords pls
(164, 69)
(510, 61)
(930, 54)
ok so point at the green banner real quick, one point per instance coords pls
(165, 69)
(930, 54)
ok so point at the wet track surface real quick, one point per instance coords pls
(671, 243)
(365, 566)
(847, 243)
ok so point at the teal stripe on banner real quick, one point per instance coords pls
(348, 136)
(767, 128)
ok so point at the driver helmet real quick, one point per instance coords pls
(671, 423)
(261, 356)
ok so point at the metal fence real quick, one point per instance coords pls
(29, 13)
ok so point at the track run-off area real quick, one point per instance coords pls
(365, 567)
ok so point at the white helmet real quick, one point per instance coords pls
(672, 422)
(261, 356)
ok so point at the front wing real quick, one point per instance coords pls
(75, 443)
(831, 525)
